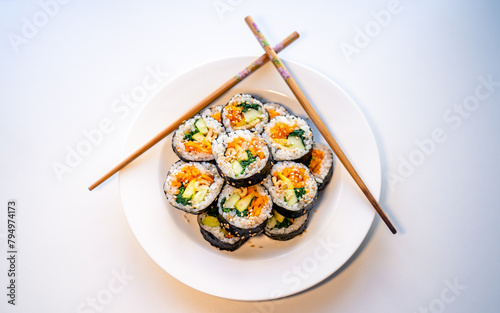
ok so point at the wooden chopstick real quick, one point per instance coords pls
(316, 119)
(198, 107)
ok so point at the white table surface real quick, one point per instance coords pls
(426, 75)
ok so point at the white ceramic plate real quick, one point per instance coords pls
(262, 269)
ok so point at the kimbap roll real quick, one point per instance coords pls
(321, 164)
(242, 158)
(214, 112)
(192, 187)
(290, 138)
(244, 211)
(244, 111)
(215, 234)
(284, 228)
(275, 109)
(192, 141)
(292, 187)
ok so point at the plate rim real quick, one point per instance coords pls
(292, 64)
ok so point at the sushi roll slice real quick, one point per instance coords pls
(215, 234)
(244, 211)
(193, 186)
(275, 109)
(293, 188)
(290, 138)
(192, 141)
(214, 112)
(242, 158)
(321, 164)
(244, 111)
(284, 228)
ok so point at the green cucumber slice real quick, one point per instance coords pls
(244, 203)
(198, 137)
(251, 115)
(231, 201)
(199, 196)
(189, 191)
(271, 223)
(211, 221)
(202, 126)
(290, 195)
(296, 142)
(237, 168)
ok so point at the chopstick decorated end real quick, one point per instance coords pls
(301, 98)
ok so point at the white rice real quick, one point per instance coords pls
(213, 190)
(216, 231)
(210, 111)
(278, 194)
(237, 99)
(188, 126)
(297, 223)
(245, 221)
(224, 161)
(327, 162)
(275, 107)
(281, 153)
